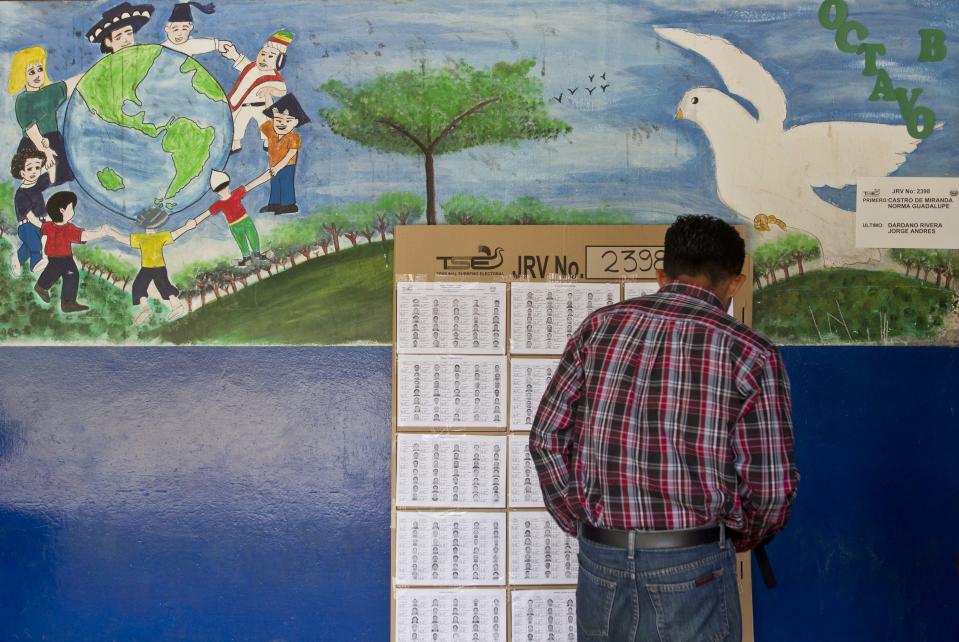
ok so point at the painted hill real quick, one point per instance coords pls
(25, 319)
(851, 306)
(344, 297)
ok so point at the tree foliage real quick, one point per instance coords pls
(427, 112)
(466, 209)
(8, 216)
(105, 264)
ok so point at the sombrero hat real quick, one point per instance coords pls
(120, 16)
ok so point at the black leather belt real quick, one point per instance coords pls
(253, 104)
(651, 539)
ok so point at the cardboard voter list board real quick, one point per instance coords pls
(481, 316)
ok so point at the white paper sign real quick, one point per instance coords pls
(635, 289)
(454, 549)
(452, 318)
(450, 471)
(456, 615)
(461, 391)
(528, 379)
(524, 490)
(544, 615)
(907, 212)
(539, 551)
(545, 315)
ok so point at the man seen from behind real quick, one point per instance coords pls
(664, 442)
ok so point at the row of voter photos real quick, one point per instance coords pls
(479, 615)
(470, 549)
(467, 391)
(465, 471)
(470, 318)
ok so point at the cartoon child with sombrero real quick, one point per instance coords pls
(114, 30)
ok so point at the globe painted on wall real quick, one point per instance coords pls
(145, 128)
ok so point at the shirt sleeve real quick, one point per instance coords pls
(763, 453)
(552, 437)
(21, 205)
(45, 228)
(241, 62)
(240, 192)
(59, 92)
(73, 234)
(295, 140)
(166, 238)
(42, 183)
(135, 241)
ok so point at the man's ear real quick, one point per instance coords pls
(662, 278)
(734, 285)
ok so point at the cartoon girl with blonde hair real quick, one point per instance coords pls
(36, 107)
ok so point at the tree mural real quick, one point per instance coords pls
(428, 112)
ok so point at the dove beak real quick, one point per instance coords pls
(679, 114)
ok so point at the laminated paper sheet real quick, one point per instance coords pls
(451, 391)
(527, 383)
(450, 471)
(450, 615)
(451, 318)
(545, 314)
(541, 616)
(454, 549)
(539, 551)
(524, 490)
(634, 289)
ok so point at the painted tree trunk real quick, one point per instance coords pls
(798, 258)
(430, 190)
(335, 233)
(785, 271)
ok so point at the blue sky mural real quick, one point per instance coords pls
(620, 86)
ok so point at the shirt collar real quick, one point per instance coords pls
(693, 290)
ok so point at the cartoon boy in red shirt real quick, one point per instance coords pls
(58, 236)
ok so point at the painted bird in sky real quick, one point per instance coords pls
(764, 170)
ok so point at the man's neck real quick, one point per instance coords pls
(28, 184)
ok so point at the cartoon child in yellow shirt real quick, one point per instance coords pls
(153, 269)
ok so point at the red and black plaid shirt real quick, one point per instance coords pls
(666, 413)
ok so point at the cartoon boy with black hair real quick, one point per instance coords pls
(31, 211)
(58, 236)
(282, 148)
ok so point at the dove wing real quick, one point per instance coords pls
(839, 153)
(743, 75)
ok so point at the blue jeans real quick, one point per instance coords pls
(30, 245)
(666, 595)
(281, 187)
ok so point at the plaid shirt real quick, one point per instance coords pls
(666, 413)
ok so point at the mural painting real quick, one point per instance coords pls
(131, 128)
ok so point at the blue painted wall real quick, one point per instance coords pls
(243, 494)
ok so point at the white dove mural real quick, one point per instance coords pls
(766, 173)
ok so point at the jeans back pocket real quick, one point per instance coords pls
(594, 603)
(691, 610)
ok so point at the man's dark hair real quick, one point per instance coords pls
(20, 159)
(699, 245)
(59, 201)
